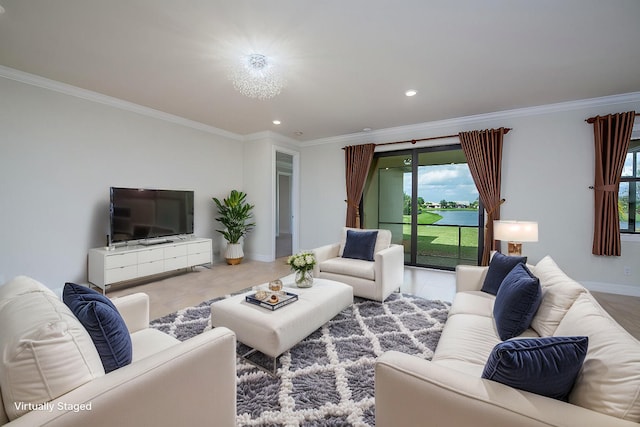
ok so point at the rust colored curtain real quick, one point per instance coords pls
(483, 149)
(357, 160)
(612, 134)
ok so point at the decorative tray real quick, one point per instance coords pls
(284, 298)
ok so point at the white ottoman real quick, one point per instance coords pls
(274, 332)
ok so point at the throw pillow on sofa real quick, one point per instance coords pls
(559, 294)
(103, 322)
(360, 245)
(516, 303)
(45, 350)
(499, 267)
(546, 366)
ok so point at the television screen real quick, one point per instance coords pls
(138, 214)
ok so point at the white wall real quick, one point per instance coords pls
(260, 185)
(59, 155)
(547, 168)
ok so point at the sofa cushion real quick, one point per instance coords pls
(383, 240)
(546, 366)
(467, 340)
(499, 267)
(559, 292)
(149, 341)
(516, 303)
(45, 350)
(349, 267)
(103, 322)
(473, 302)
(610, 378)
(360, 244)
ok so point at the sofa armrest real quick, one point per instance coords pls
(324, 253)
(470, 277)
(410, 390)
(134, 309)
(389, 269)
(192, 383)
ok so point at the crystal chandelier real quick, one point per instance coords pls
(257, 77)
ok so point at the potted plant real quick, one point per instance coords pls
(234, 213)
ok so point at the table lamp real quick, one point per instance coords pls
(515, 232)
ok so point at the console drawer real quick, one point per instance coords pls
(175, 251)
(114, 275)
(175, 263)
(120, 260)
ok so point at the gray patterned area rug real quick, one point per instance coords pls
(328, 378)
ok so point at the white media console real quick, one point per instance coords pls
(113, 265)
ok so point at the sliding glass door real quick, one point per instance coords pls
(428, 200)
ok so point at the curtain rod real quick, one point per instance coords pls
(413, 141)
(593, 119)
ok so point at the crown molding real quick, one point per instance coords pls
(67, 89)
(377, 136)
(402, 132)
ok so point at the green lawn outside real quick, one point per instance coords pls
(441, 241)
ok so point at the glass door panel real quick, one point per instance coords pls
(428, 200)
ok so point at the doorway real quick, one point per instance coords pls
(284, 204)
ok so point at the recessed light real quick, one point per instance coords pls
(411, 92)
(366, 130)
(276, 122)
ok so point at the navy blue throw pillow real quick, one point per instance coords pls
(518, 299)
(360, 244)
(102, 320)
(546, 366)
(499, 267)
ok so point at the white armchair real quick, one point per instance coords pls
(375, 279)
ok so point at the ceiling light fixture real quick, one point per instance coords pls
(276, 122)
(411, 92)
(257, 76)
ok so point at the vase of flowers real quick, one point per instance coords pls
(303, 264)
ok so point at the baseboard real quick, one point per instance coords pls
(612, 288)
(260, 257)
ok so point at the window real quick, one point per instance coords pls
(629, 193)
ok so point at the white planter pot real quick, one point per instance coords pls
(234, 253)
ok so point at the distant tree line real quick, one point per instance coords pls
(444, 204)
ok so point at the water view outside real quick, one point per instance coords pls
(457, 217)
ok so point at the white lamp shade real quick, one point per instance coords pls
(515, 231)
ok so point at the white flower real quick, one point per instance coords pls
(309, 259)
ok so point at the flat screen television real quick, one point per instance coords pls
(140, 214)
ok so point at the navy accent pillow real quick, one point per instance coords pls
(102, 320)
(499, 267)
(518, 299)
(546, 366)
(360, 244)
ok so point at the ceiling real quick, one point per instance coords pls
(347, 62)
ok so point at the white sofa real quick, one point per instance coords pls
(168, 383)
(375, 279)
(449, 389)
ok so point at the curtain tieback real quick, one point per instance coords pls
(352, 204)
(612, 188)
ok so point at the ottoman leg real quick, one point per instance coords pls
(257, 365)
